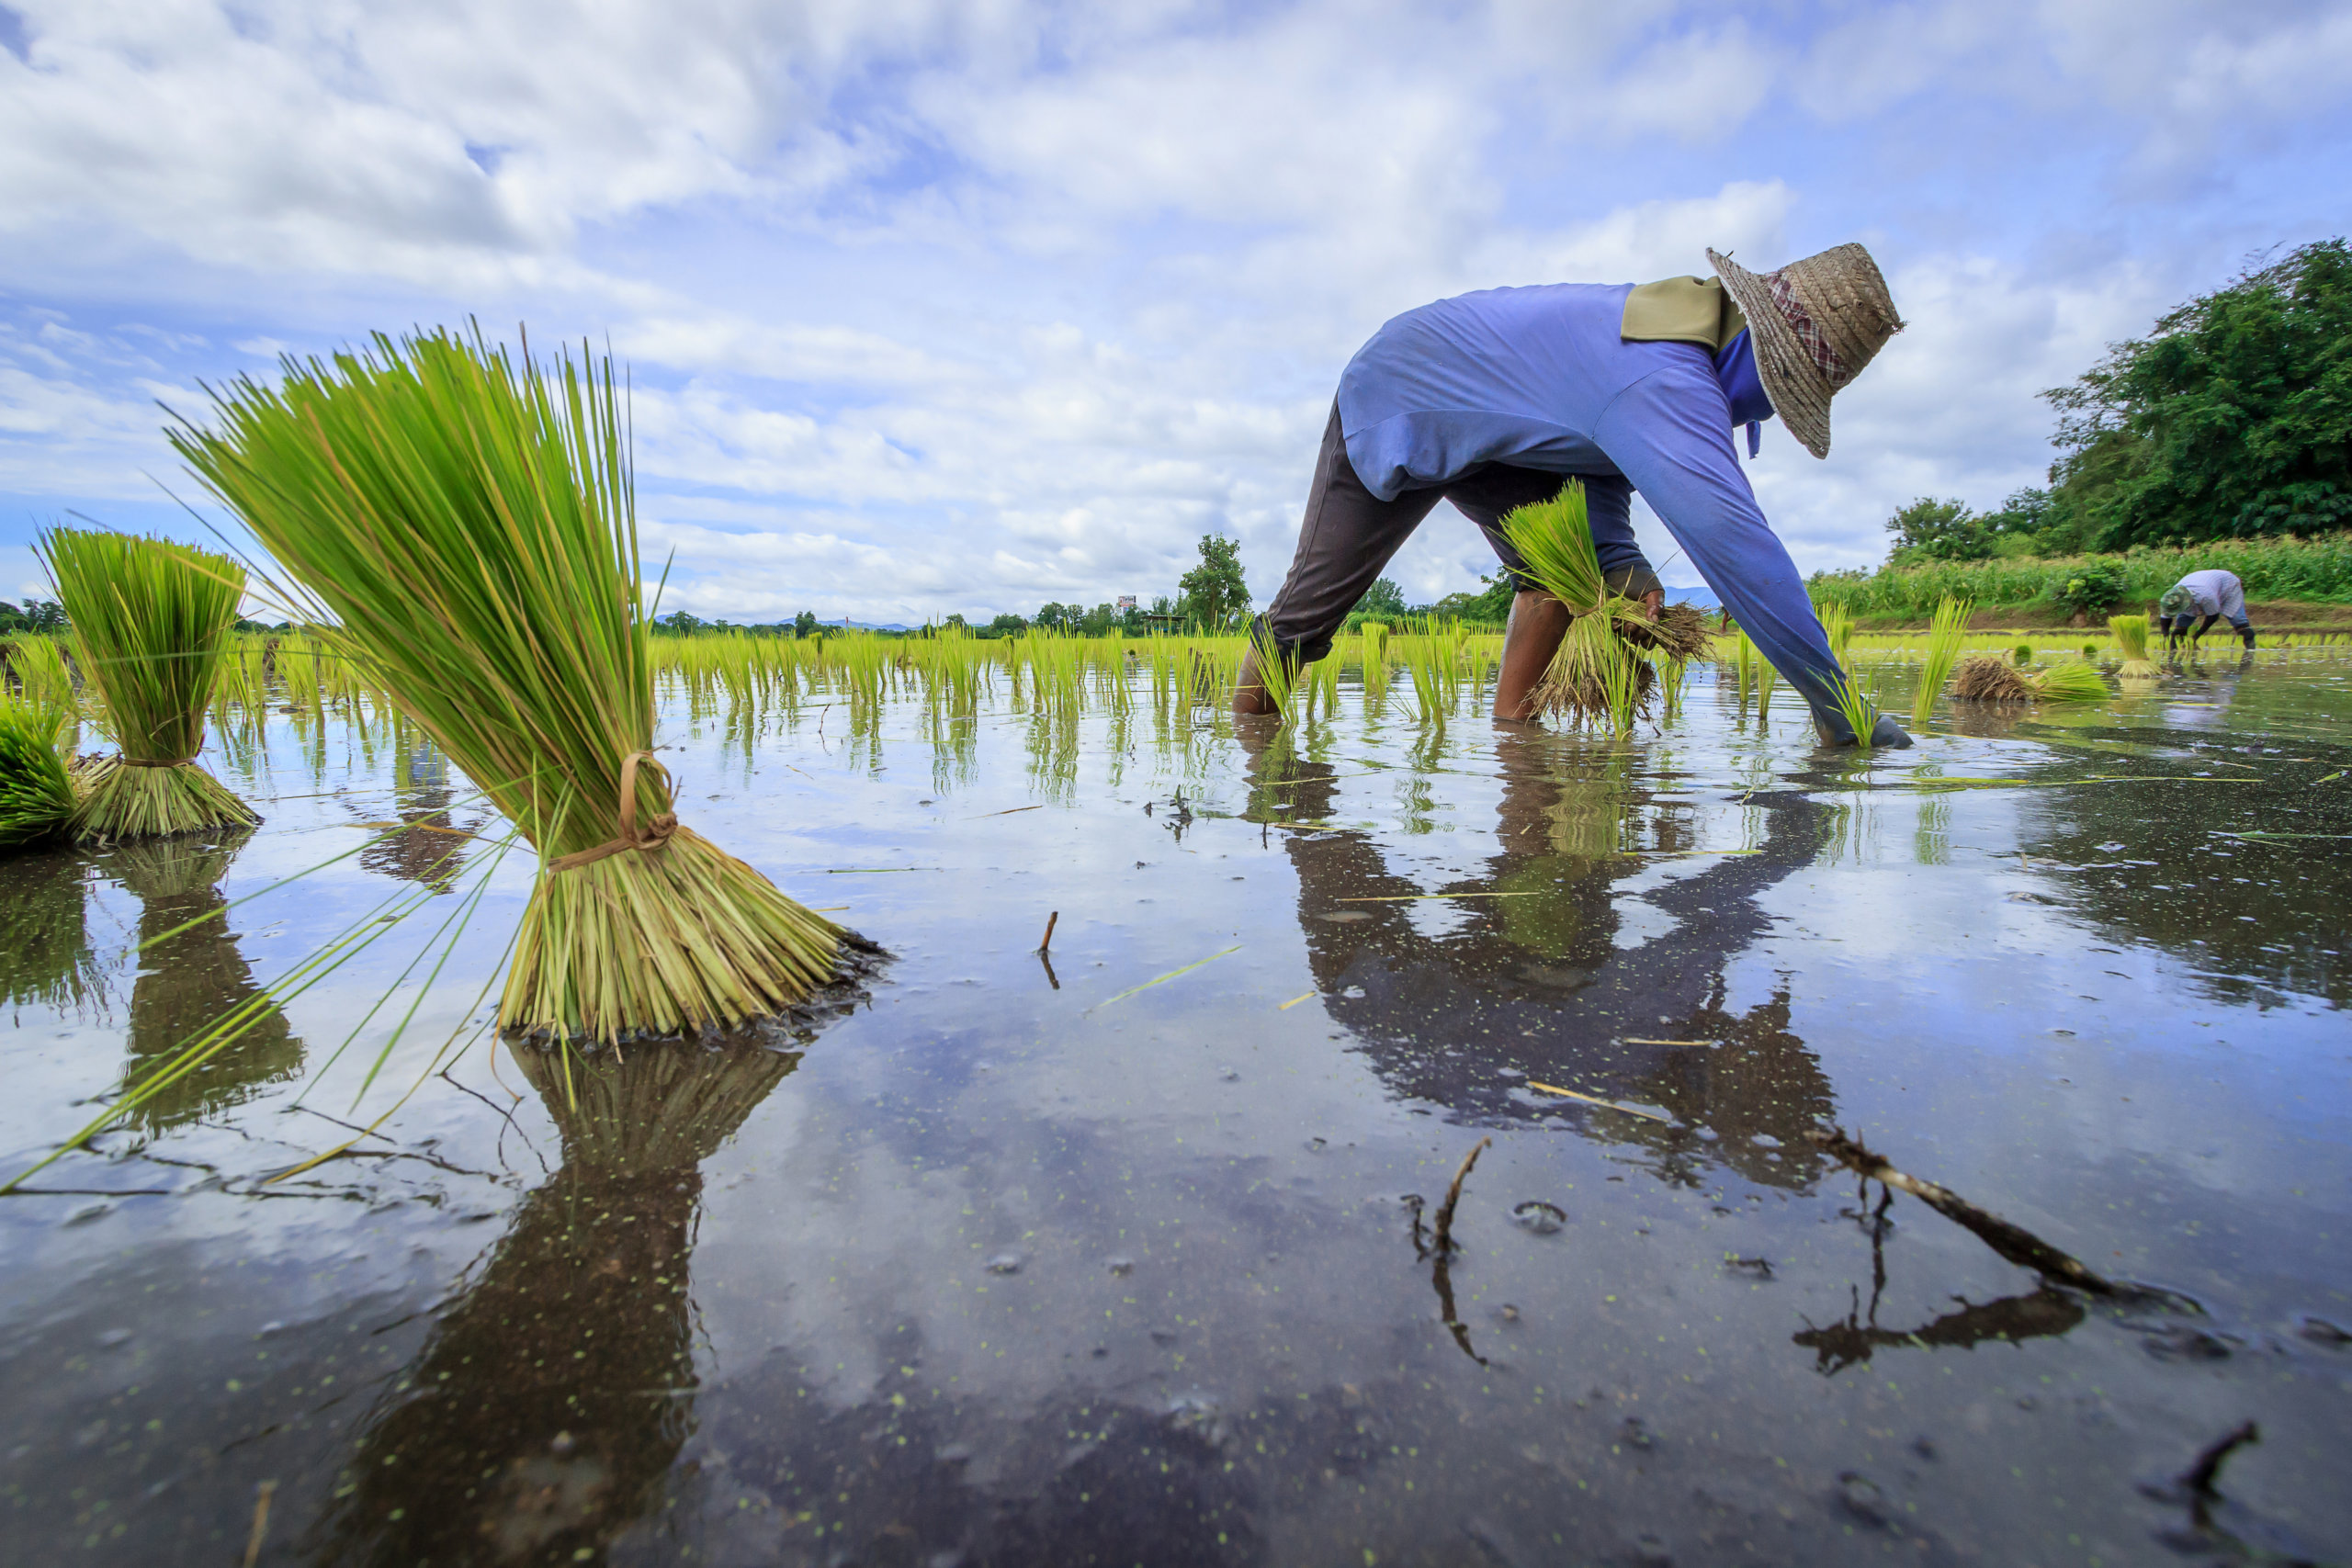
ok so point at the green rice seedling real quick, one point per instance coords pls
(467, 524)
(1837, 625)
(1945, 635)
(2130, 634)
(2022, 653)
(152, 622)
(1743, 663)
(1277, 671)
(35, 787)
(38, 661)
(1857, 705)
(1765, 677)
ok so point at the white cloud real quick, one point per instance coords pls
(938, 307)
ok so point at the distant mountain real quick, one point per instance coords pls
(1699, 595)
(868, 625)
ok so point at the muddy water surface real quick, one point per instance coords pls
(1021, 1259)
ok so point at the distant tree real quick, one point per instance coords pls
(2231, 419)
(677, 623)
(1052, 616)
(1382, 601)
(1213, 592)
(1007, 625)
(1929, 529)
(804, 624)
(958, 622)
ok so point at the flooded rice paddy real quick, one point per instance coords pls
(1124, 1253)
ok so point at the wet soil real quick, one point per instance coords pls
(1010, 1257)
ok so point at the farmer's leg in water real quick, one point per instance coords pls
(1346, 537)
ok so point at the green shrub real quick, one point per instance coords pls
(2090, 590)
(2314, 571)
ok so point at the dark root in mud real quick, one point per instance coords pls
(1680, 631)
(1987, 679)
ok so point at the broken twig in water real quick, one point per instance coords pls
(2021, 1246)
(1444, 1239)
(1051, 920)
(1417, 898)
(1011, 812)
(1608, 1104)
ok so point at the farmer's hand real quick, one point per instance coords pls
(1652, 602)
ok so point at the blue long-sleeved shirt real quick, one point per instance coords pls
(1538, 378)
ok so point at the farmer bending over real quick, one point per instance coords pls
(1495, 400)
(2211, 595)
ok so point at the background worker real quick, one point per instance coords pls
(1496, 398)
(2211, 595)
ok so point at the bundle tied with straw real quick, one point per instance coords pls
(466, 521)
(1989, 678)
(151, 621)
(2131, 634)
(1598, 672)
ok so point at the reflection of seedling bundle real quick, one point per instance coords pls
(45, 958)
(152, 622)
(2131, 634)
(1598, 670)
(1986, 679)
(467, 527)
(36, 793)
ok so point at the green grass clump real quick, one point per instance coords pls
(464, 523)
(152, 622)
(36, 790)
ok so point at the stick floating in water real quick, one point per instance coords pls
(1610, 1104)
(1444, 1237)
(2018, 1245)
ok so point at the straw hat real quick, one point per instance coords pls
(1815, 323)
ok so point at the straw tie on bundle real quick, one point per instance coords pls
(657, 832)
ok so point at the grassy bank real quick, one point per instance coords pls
(2308, 573)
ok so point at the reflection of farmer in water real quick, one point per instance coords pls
(1496, 398)
(1538, 987)
(2213, 594)
(544, 1413)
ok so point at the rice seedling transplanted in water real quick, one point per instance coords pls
(467, 519)
(151, 624)
(1945, 635)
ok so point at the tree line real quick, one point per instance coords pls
(2231, 420)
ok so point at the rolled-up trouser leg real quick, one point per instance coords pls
(1486, 494)
(2245, 629)
(1346, 538)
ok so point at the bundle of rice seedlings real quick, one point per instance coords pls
(2022, 653)
(1857, 705)
(2075, 682)
(1277, 672)
(2130, 634)
(152, 622)
(1945, 634)
(1595, 672)
(466, 520)
(1742, 662)
(1985, 678)
(36, 790)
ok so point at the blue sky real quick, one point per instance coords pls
(934, 308)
